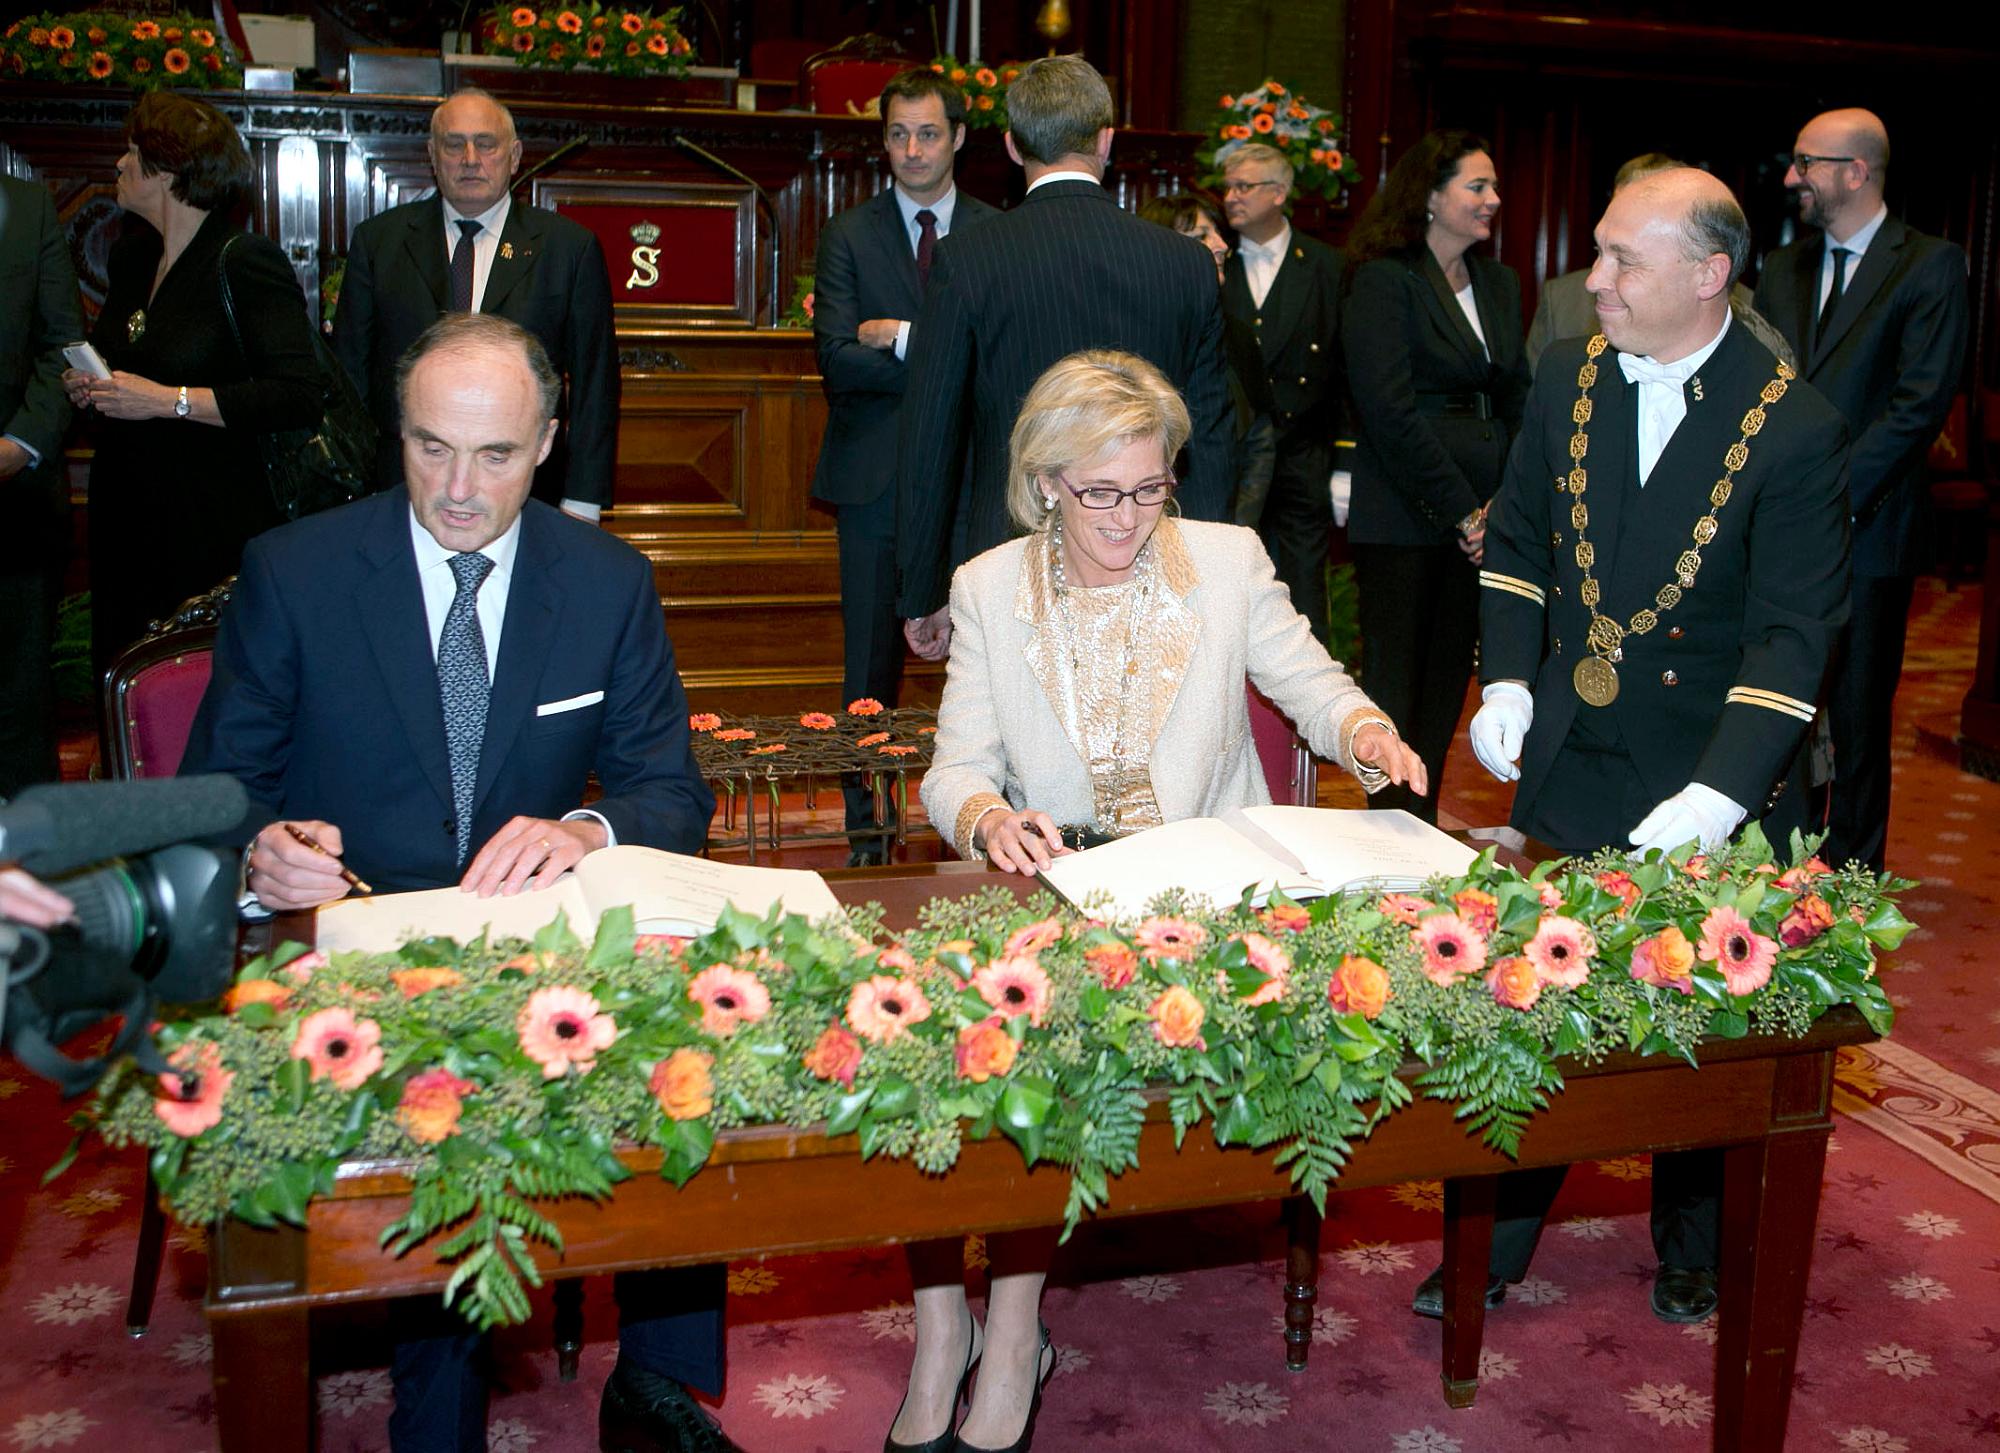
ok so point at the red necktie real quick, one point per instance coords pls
(926, 245)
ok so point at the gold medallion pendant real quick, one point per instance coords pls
(1595, 680)
(135, 326)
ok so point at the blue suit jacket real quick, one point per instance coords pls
(324, 701)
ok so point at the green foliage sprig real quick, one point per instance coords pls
(142, 52)
(504, 1075)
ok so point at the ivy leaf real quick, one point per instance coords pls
(846, 1112)
(894, 1097)
(615, 938)
(428, 953)
(556, 937)
(1238, 1121)
(1728, 1024)
(1024, 1114)
(1886, 927)
(293, 1079)
(1094, 1003)
(686, 1144)
(1328, 1075)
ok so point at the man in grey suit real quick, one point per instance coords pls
(1567, 310)
(1877, 313)
(868, 286)
(1066, 270)
(38, 315)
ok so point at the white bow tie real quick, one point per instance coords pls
(1644, 370)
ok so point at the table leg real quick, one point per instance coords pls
(1468, 1250)
(1302, 1225)
(1770, 1209)
(568, 1298)
(263, 1381)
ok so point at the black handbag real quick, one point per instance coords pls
(310, 470)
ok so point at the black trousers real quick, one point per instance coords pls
(669, 1324)
(1687, 1211)
(1860, 694)
(1419, 624)
(871, 631)
(34, 548)
(1295, 527)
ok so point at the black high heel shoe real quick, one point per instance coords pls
(1046, 1363)
(945, 1441)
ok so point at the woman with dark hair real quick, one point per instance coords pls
(1432, 333)
(178, 485)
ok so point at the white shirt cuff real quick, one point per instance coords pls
(902, 339)
(35, 455)
(584, 509)
(610, 837)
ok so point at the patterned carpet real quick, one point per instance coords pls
(1168, 1328)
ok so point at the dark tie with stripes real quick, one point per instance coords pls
(926, 245)
(1840, 258)
(461, 267)
(463, 687)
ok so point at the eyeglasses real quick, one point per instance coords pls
(1104, 497)
(1231, 189)
(1802, 162)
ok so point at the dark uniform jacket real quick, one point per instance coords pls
(1892, 358)
(1721, 690)
(1425, 457)
(1297, 339)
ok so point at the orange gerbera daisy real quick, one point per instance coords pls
(62, 37)
(817, 721)
(704, 721)
(524, 42)
(145, 30)
(100, 64)
(1262, 123)
(1169, 938)
(882, 1008)
(897, 749)
(1452, 948)
(657, 44)
(192, 1101)
(632, 47)
(769, 749)
(142, 64)
(570, 22)
(865, 706)
(735, 734)
(630, 23)
(594, 47)
(522, 17)
(873, 739)
(1033, 938)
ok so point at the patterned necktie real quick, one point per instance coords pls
(1840, 257)
(461, 267)
(463, 688)
(926, 245)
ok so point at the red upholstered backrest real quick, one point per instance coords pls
(1278, 751)
(833, 83)
(160, 700)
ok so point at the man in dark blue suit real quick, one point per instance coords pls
(1068, 269)
(868, 286)
(422, 684)
(1877, 313)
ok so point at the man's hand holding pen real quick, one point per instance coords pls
(294, 865)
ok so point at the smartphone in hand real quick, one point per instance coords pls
(85, 359)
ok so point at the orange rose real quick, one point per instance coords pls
(256, 991)
(1325, 124)
(431, 1105)
(682, 1085)
(1274, 88)
(421, 981)
(1620, 886)
(1114, 964)
(984, 103)
(632, 47)
(985, 1050)
(1480, 909)
(985, 77)
(1810, 917)
(1359, 986)
(835, 1055)
(203, 38)
(1514, 983)
(557, 50)
(1227, 102)
(1286, 918)
(1177, 1017)
(1665, 960)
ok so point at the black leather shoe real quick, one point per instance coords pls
(1683, 1293)
(1022, 1444)
(1429, 1299)
(645, 1413)
(873, 853)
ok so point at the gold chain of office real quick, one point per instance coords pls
(1596, 677)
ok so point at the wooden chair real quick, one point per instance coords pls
(844, 80)
(1962, 462)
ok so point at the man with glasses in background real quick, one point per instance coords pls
(1876, 312)
(1286, 287)
(471, 249)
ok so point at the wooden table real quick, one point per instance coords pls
(781, 1191)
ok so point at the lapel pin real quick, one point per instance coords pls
(507, 250)
(1694, 386)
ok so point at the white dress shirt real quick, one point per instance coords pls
(485, 243)
(1261, 261)
(1069, 176)
(942, 209)
(1470, 306)
(1857, 245)
(1662, 399)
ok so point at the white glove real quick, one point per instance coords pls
(1693, 812)
(1500, 726)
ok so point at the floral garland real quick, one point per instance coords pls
(800, 313)
(985, 88)
(505, 1073)
(1308, 135)
(608, 39)
(142, 52)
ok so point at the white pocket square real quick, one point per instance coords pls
(569, 703)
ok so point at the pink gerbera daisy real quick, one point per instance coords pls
(1271, 961)
(1015, 986)
(1405, 908)
(1170, 938)
(191, 1101)
(561, 1027)
(1033, 938)
(1452, 948)
(1561, 951)
(1733, 946)
(339, 1047)
(882, 1008)
(728, 997)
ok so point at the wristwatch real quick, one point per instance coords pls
(181, 408)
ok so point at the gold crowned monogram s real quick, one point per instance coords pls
(1595, 677)
(645, 256)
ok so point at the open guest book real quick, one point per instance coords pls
(668, 893)
(1307, 852)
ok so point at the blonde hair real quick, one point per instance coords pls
(1082, 411)
(1268, 157)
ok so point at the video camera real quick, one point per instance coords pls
(155, 915)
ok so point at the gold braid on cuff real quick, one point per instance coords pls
(1372, 779)
(976, 807)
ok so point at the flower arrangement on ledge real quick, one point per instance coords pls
(506, 1073)
(608, 39)
(985, 88)
(1308, 135)
(800, 313)
(141, 52)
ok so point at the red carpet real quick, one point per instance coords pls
(1168, 1329)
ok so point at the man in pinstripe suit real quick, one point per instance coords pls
(1066, 270)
